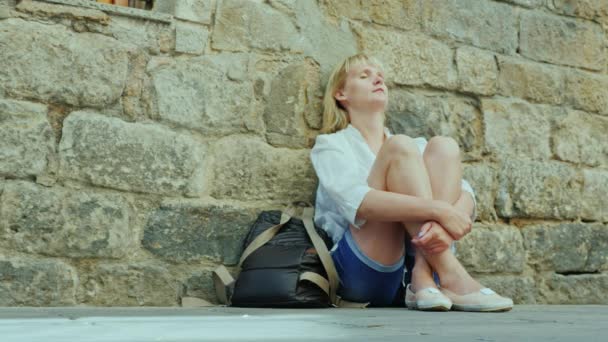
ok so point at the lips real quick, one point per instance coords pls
(378, 90)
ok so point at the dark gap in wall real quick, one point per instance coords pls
(567, 273)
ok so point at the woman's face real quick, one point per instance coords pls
(364, 89)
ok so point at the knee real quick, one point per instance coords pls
(443, 147)
(402, 146)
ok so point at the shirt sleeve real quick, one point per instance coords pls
(340, 176)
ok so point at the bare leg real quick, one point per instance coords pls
(399, 168)
(442, 160)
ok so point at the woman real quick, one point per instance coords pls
(376, 189)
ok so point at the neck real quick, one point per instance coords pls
(371, 127)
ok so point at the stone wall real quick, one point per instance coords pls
(137, 147)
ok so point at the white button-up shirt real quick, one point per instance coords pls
(343, 161)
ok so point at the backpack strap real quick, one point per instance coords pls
(265, 236)
(327, 261)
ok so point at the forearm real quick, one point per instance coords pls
(393, 207)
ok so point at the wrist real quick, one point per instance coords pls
(436, 208)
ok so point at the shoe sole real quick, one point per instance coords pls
(437, 307)
(457, 307)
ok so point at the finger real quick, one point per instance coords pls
(428, 236)
(424, 229)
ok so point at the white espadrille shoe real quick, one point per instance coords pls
(484, 300)
(428, 299)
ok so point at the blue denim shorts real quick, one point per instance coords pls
(363, 279)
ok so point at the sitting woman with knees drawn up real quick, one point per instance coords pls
(376, 190)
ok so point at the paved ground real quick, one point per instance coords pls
(524, 323)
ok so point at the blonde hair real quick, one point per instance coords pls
(335, 116)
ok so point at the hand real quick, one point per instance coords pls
(432, 238)
(454, 221)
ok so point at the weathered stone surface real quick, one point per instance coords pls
(130, 156)
(294, 92)
(587, 91)
(580, 138)
(133, 284)
(207, 94)
(567, 247)
(477, 71)
(35, 282)
(327, 43)
(27, 142)
(59, 11)
(595, 200)
(242, 24)
(492, 249)
(190, 38)
(484, 182)
(247, 168)
(531, 81)
(573, 289)
(589, 9)
(399, 13)
(60, 222)
(131, 32)
(417, 115)
(199, 11)
(525, 3)
(519, 288)
(561, 40)
(508, 130)
(484, 24)
(187, 231)
(200, 285)
(411, 59)
(84, 70)
(534, 189)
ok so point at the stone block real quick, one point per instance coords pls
(535, 82)
(573, 289)
(242, 24)
(55, 10)
(484, 24)
(198, 11)
(86, 69)
(190, 38)
(27, 142)
(579, 137)
(567, 247)
(411, 59)
(514, 128)
(587, 91)
(404, 14)
(492, 249)
(561, 40)
(477, 71)
(483, 179)
(130, 284)
(130, 156)
(534, 189)
(588, 9)
(208, 94)
(187, 231)
(594, 198)
(521, 289)
(131, 32)
(247, 169)
(36, 282)
(416, 115)
(59, 222)
(294, 92)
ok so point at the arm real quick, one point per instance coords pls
(393, 207)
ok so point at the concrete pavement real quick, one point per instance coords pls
(524, 323)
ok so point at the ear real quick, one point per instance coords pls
(340, 95)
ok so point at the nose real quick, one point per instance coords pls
(378, 80)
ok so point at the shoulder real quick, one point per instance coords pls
(335, 140)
